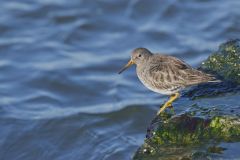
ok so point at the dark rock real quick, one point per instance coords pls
(225, 62)
(186, 130)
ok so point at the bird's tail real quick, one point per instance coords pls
(215, 81)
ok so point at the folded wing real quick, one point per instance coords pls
(171, 72)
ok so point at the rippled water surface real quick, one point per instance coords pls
(60, 94)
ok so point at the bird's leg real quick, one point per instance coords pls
(169, 102)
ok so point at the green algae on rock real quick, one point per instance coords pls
(186, 130)
(225, 62)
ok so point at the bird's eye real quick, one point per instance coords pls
(139, 55)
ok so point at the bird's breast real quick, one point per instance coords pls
(147, 81)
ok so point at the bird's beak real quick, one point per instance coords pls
(130, 62)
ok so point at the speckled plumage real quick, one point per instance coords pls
(165, 74)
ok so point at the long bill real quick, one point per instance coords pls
(126, 66)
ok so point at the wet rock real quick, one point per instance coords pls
(211, 90)
(186, 129)
(185, 134)
(216, 149)
(225, 62)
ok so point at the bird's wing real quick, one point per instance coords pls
(167, 69)
(175, 72)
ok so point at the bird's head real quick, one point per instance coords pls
(139, 56)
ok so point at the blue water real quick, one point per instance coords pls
(60, 94)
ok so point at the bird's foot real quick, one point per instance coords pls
(172, 109)
(166, 105)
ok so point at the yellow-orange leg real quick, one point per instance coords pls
(169, 102)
